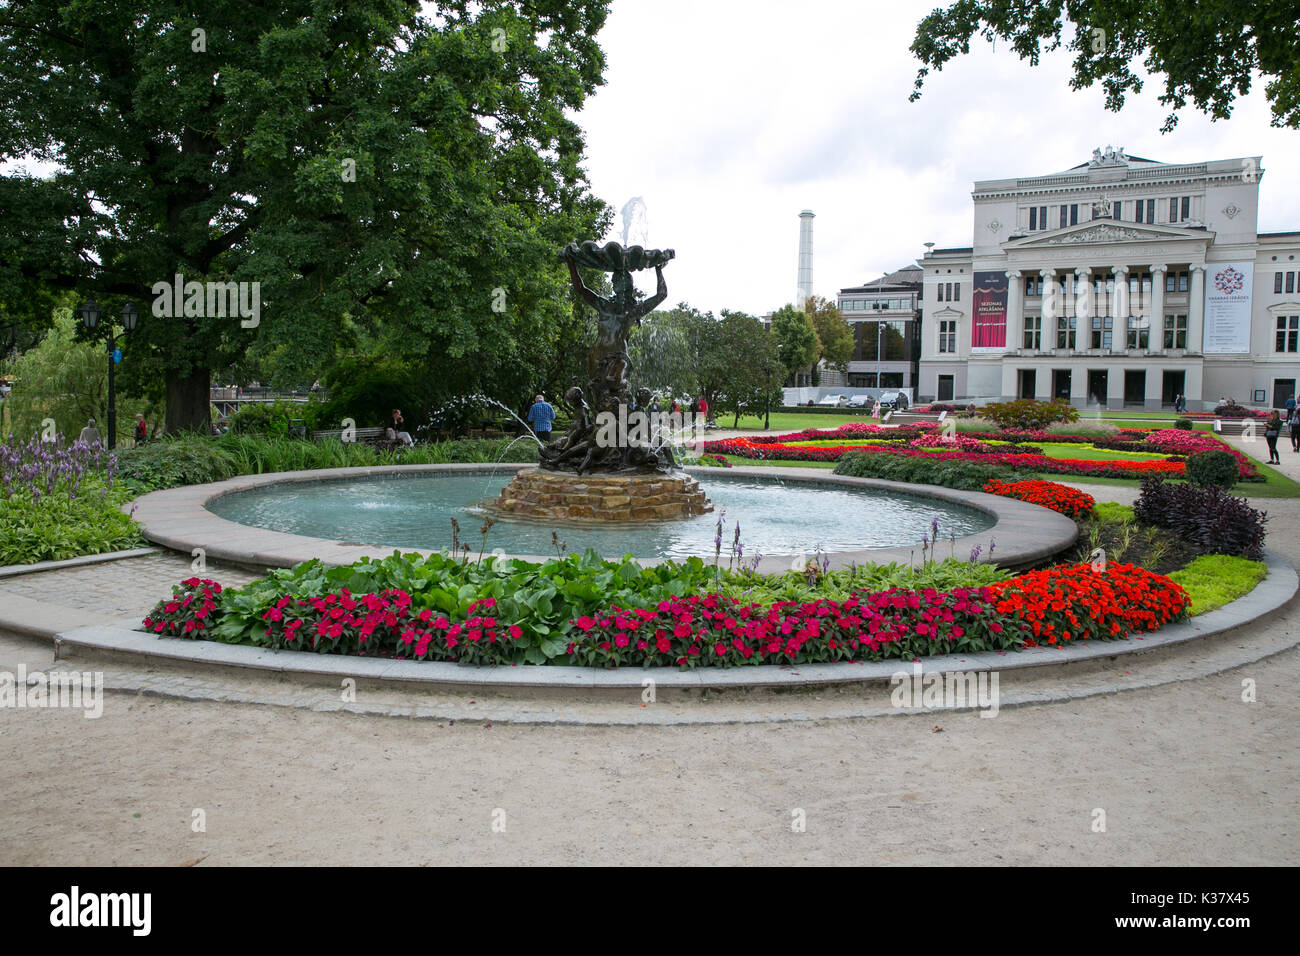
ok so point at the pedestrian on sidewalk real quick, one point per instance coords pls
(1273, 428)
(1293, 425)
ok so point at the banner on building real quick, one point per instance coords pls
(989, 312)
(1227, 307)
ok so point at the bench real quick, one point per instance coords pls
(365, 436)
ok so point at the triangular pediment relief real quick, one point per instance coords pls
(1108, 230)
(948, 312)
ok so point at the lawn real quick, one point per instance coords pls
(797, 421)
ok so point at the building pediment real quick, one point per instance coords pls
(1107, 230)
(947, 312)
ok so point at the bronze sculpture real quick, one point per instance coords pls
(590, 445)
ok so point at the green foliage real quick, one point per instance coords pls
(834, 336)
(66, 380)
(1108, 512)
(753, 374)
(796, 339)
(917, 469)
(663, 359)
(1210, 58)
(1027, 414)
(1214, 580)
(1184, 424)
(1213, 468)
(839, 584)
(380, 169)
(59, 527)
(273, 419)
(367, 391)
(195, 459)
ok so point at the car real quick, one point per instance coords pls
(861, 401)
(897, 401)
(833, 400)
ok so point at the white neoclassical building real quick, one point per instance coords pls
(1122, 282)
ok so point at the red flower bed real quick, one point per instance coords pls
(1074, 602)
(1049, 494)
(188, 611)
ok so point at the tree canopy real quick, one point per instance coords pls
(796, 339)
(1206, 51)
(834, 336)
(392, 182)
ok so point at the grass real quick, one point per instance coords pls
(797, 421)
(737, 460)
(1214, 580)
(1088, 453)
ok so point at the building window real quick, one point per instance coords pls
(1139, 332)
(1074, 213)
(1034, 333)
(1290, 282)
(1064, 219)
(1173, 208)
(1033, 218)
(956, 292)
(1175, 281)
(1065, 332)
(948, 335)
(1151, 210)
(1102, 331)
(1186, 210)
(1119, 209)
(1137, 211)
(1175, 331)
(1277, 282)
(1288, 333)
(940, 291)
(1033, 286)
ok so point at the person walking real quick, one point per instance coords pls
(141, 429)
(1293, 426)
(1290, 406)
(1273, 428)
(541, 417)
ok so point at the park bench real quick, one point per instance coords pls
(366, 436)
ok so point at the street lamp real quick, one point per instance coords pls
(89, 313)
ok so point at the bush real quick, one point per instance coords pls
(922, 470)
(1028, 414)
(1236, 411)
(1209, 519)
(1184, 424)
(1213, 468)
(272, 419)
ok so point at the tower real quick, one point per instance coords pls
(805, 289)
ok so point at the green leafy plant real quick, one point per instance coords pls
(1027, 414)
(1213, 468)
(963, 475)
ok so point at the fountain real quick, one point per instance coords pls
(616, 462)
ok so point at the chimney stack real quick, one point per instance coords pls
(805, 290)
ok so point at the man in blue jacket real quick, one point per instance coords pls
(540, 417)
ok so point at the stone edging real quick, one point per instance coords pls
(1277, 589)
(178, 518)
(14, 570)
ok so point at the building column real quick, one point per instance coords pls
(1196, 311)
(1050, 309)
(1015, 310)
(1083, 307)
(1157, 306)
(1118, 307)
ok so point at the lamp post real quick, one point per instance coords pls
(90, 318)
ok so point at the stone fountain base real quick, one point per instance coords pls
(536, 493)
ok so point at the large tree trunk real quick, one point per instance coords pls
(188, 402)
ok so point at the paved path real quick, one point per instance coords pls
(1186, 773)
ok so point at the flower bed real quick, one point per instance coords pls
(700, 628)
(1071, 602)
(1049, 494)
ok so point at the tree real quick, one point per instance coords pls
(663, 359)
(1206, 51)
(66, 381)
(833, 333)
(372, 171)
(755, 370)
(796, 339)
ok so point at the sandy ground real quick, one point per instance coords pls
(1186, 774)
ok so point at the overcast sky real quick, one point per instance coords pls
(730, 116)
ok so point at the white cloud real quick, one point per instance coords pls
(730, 116)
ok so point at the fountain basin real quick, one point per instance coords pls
(179, 518)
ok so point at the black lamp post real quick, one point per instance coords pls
(90, 318)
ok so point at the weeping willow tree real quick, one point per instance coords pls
(65, 381)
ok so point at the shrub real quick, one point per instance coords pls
(1213, 468)
(922, 470)
(190, 611)
(1028, 414)
(272, 419)
(1209, 519)
(1185, 424)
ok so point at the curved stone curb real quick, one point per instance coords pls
(12, 570)
(178, 518)
(1277, 589)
